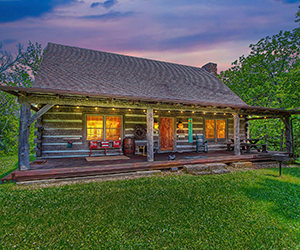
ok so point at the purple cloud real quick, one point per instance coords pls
(107, 4)
(112, 15)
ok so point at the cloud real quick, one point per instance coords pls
(15, 10)
(107, 4)
(112, 15)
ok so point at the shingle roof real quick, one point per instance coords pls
(82, 70)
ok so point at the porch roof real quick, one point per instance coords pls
(37, 95)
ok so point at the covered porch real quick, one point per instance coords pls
(66, 168)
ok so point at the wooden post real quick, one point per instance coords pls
(150, 154)
(237, 135)
(288, 134)
(24, 137)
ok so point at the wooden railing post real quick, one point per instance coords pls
(150, 154)
(24, 136)
(237, 145)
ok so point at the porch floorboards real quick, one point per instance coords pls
(78, 167)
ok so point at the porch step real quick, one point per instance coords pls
(204, 169)
(246, 164)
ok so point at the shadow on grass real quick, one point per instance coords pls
(282, 195)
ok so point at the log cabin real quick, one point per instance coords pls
(83, 95)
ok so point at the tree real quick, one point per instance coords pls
(18, 70)
(270, 77)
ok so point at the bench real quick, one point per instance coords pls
(248, 146)
(97, 145)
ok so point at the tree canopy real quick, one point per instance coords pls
(15, 70)
(270, 77)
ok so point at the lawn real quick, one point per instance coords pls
(240, 210)
(10, 163)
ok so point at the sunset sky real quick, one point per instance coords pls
(190, 32)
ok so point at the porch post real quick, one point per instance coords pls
(24, 137)
(150, 154)
(288, 134)
(237, 135)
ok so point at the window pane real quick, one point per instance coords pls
(94, 134)
(210, 129)
(113, 134)
(94, 125)
(113, 122)
(221, 127)
(94, 122)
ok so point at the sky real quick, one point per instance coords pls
(190, 32)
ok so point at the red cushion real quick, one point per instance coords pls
(94, 144)
(116, 144)
(105, 144)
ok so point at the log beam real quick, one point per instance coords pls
(73, 101)
(37, 115)
(150, 153)
(237, 145)
(24, 137)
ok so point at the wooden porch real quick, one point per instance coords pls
(78, 167)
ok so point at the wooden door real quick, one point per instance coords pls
(166, 134)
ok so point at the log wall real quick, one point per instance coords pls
(60, 125)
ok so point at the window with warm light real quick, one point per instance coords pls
(103, 127)
(215, 129)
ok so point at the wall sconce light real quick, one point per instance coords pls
(57, 106)
(129, 109)
(193, 112)
(155, 111)
(204, 113)
(113, 108)
(77, 107)
(96, 108)
(144, 110)
(169, 111)
(86, 98)
(180, 125)
(181, 111)
(155, 124)
(215, 113)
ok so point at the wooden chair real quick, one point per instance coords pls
(200, 143)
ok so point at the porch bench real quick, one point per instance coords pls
(98, 145)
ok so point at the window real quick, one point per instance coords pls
(103, 127)
(215, 129)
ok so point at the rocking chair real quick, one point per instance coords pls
(200, 143)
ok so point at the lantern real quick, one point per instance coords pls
(155, 125)
(180, 125)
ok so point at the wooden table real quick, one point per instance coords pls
(247, 144)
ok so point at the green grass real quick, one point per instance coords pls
(241, 210)
(10, 163)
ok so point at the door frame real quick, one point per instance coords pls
(174, 133)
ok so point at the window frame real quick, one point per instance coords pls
(104, 126)
(215, 132)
